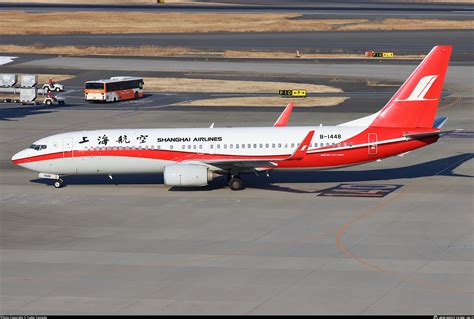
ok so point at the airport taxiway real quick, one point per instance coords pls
(399, 42)
(132, 245)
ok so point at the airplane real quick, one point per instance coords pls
(192, 157)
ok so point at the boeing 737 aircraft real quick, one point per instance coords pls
(194, 156)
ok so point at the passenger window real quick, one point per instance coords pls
(243, 145)
(279, 145)
(350, 144)
(338, 144)
(261, 145)
(249, 145)
(225, 145)
(292, 144)
(345, 144)
(211, 146)
(200, 146)
(267, 145)
(218, 146)
(183, 147)
(231, 146)
(171, 147)
(158, 147)
(236, 145)
(254, 145)
(189, 147)
(273, 145)
(194, 146)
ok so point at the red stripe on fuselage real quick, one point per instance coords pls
(323, 159)
(167, 155)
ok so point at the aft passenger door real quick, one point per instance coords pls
(372, 143)
(67, 147)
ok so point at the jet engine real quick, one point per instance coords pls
(187, 175)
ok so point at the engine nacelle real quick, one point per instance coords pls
(187, 175)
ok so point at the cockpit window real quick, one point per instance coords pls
(37, 147)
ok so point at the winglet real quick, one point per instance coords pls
(285, 115)
(300, 152)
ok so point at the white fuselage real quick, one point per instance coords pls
(128, 150)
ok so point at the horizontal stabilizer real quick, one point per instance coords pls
(440, 121)
(419, 135)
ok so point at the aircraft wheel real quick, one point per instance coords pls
(236, 184)
(58, 183)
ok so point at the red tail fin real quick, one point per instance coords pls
(415, 103)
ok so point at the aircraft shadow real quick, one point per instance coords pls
(440, 167)
(22, 111)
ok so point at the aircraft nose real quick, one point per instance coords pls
(16, 159)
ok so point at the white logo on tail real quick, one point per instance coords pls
(421, 89)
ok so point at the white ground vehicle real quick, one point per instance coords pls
(50, 100)
(55, 87)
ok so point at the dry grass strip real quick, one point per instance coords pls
(21, 22)
(268, 102)
(230, 86)
(156, 51)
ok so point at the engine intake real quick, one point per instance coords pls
(187, 175)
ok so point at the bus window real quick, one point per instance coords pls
(94, 86)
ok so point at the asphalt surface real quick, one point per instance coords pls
(139, 247)
(399, 42)
(322, 7)
(272, 67)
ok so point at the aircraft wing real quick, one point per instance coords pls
(255, 162)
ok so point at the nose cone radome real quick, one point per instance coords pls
(19, 157)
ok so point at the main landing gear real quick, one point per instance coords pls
(235, 183)
(58, 183)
